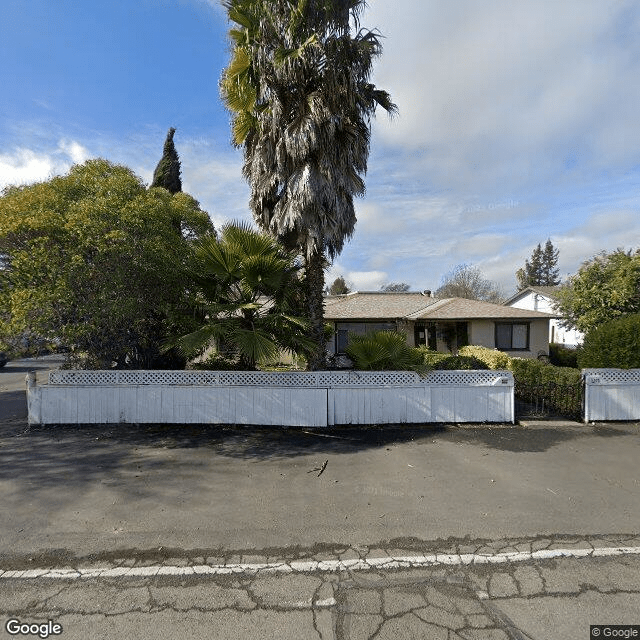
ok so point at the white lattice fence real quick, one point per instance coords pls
(277, 379)
(317, 399)
(611, 394)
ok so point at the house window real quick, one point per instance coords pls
(512, 336)
(343, 329)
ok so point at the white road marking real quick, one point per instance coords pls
(309, 566)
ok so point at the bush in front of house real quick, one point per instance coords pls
(555, 390)
(384, 351)
(535, 372)
(458, 363)
(562, 356)
(613, 344)
(493, 358)
(431, 358)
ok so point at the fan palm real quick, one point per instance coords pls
(250, 293)
(298, 89)
(384, 351)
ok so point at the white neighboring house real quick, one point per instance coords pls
(543, 299)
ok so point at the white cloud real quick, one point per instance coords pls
(75, 151)
(367, 280)
(374, 219)
(356, 280)
(501, 92)
(24, 166)
(214, 177)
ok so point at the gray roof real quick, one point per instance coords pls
(417, 306)
(375, 305)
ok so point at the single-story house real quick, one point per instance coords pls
(544, 299)
(444, 324)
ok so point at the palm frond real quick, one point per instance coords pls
(255, 344)
(196, 342)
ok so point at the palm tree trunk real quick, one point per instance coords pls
(314, 281)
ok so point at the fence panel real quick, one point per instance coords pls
(315, 399)
(611, 394)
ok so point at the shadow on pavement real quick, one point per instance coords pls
(522, 440)
(251, 442)
(14, 406)
(51, 462)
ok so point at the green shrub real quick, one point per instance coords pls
(555, 389)
(614, 344)
(493, 358)
(561, 356)
(384, 351)
(454, 363)
(536, 372)
(431, 358)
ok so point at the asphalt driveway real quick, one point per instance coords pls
(142, 486)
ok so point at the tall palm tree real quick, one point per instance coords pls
(249, 288)
(298, 89)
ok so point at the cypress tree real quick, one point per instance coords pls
(550, 274)
(541, 269)
(167, 173)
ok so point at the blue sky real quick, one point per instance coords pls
(517, 122)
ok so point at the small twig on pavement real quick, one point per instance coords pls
(320, 469)
(324, 435)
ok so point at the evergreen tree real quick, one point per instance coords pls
(550, 274)
(541, 269)
(339, 287)
(167, 173)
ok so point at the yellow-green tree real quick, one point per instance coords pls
(93, 260)
(606, 287)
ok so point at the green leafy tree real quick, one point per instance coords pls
(541, 269)
(399, 287)
(298, 88)
(90, 262)
(250, 296)
(613, 344)
(167, 172)
(467, 281)
(338, 287)
(606, 287)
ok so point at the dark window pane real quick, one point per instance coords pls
(503, 336)
(519, 340)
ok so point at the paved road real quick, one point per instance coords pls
(221, 516)
(538, 600)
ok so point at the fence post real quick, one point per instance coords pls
(585, 382)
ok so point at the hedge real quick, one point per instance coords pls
(493, 358)
(614, 344)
